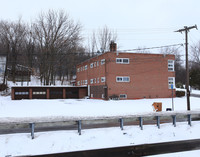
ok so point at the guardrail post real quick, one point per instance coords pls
(121, 123)
(79, 127)
(141, 122)
(189, 120)
(158, 121)
(32, 126)
(174, 120)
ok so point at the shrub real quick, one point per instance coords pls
(180, 93)
(179, 85)
(3, 87)
(114, 97)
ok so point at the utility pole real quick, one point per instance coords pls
(186, 30)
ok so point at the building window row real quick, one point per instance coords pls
(122, 60)
(92, 65)
(171, 81)
(21, 93)
(170, 65)
(82, 82)
(39, 93)
(123, 96)
(96, 80)
(122, 79)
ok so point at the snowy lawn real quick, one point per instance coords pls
(67, 141)
(87, 107)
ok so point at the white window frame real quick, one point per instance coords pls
(121, 60)
(103, 61)
(102, 96)
(123, 96)
(170, 65)
(123, 78)
(78, 70)
(103, 79)
(91, 65)
(171, 81)
(86, 82)
(98, 80)
(97, 63)
(78, 83)
(85, 67)
(91, 81)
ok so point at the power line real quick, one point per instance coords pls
(139, 49)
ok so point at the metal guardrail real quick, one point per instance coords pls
(33, 122)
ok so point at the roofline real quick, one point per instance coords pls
(122, 53)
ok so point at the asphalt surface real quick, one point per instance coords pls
(134, 151)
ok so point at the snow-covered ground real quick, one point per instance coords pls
(65, 141)
(87, 107)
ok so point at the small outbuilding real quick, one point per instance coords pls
(48, 92)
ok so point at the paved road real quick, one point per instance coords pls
(195, 95)
(134, 151)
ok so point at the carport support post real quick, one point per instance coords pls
(121, 123)
(158, 121)
(174, 120)
(79, 126)
(189, 120)
(141, 122)
(32, 126)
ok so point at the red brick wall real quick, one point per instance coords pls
(148, 74)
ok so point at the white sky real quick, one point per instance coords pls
(139, 23)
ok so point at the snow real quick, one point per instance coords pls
(87, 107)
(66, 141)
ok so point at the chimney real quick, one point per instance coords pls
(113, 46)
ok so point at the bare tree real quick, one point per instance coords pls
(195, 49)
(57, 36)
(100, 41)
(12, 36)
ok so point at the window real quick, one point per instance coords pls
(102, 96)
(170, 65)
(103, 79)
(171, 81)
(78, 70)
(39, 93)
(95, 80)
(97, 63)
(85, 81)
(81, 68)
(78, 83)
(102, 61)
(21, 93)
(91, 65)
(98, 80)
(122, 79)
(123, 96)
(91, 81)
(122, 60)
(85, 67)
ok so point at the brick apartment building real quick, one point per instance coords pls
(127, 75)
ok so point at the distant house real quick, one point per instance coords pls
(2, 65)
(127, 75)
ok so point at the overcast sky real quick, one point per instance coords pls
(139, 23)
